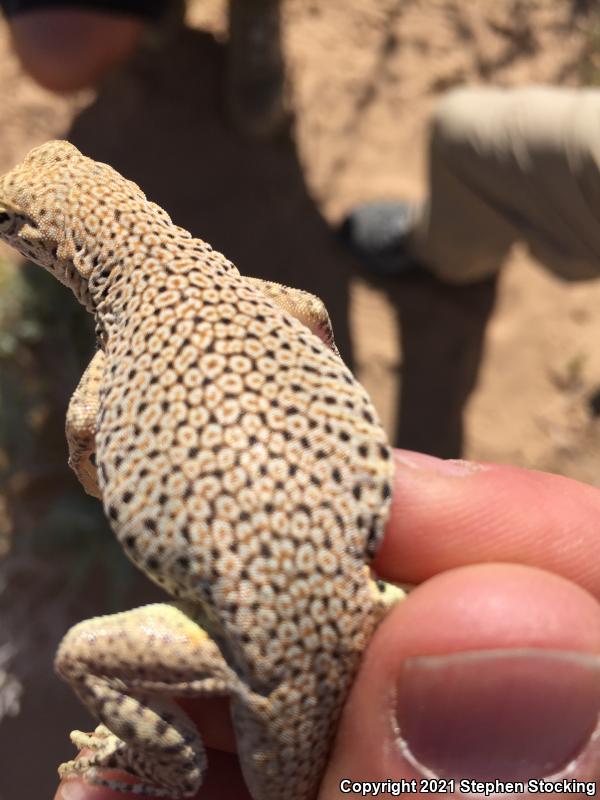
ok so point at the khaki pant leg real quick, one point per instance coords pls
(513, 164)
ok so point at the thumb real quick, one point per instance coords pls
(485, 672)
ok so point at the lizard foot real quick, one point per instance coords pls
(110, 752)
(103, 747)
(91, 741)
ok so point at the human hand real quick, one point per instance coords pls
(525, 700)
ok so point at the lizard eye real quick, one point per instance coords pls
(7, 222)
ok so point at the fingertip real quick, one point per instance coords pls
(76, 789)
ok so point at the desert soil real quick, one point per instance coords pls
(507, 373)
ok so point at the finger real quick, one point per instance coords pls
(447, 514)
(522, 704)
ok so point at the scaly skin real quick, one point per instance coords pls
(241, 467)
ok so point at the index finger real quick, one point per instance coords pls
(448, 514)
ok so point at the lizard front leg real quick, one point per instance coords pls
(81, 425)
(309, 309)
(127, 668)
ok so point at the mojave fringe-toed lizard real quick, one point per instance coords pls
(242, 468)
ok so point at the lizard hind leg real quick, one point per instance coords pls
(127, 669)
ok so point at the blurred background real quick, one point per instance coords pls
(506, 371)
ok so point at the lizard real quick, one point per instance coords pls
(242, 468)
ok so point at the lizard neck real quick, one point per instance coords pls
(141, 274)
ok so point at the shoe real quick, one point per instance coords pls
(379, 235)
(255, 88)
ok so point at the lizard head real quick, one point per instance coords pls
(34, 197)
(62, 210)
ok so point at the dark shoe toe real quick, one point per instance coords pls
(379, 233)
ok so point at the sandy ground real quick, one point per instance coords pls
(515, 362)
